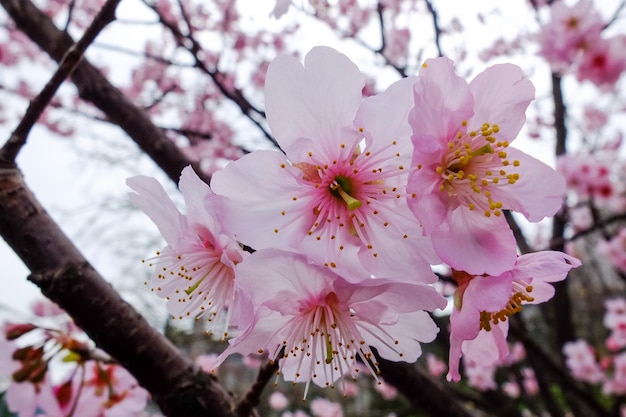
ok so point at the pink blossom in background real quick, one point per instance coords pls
(435, 366)
(480, 377)
(614, 250)
(277, 401)
(46, 308)
(482, 305)
(594, 118)
(338, 192)
(464, 174)
(350, 389)
(196, 269)
(617, 383)
(111, 390)
(324, 322)
(588, 175)
(297, 413)
(511, 388)
(530, 383)
(615, 312)
(581, 361)
(603, 62)
(571, 30)
(321, 407)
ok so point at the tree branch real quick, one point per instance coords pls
(65, 277)
(67, 65)
(422, 391)
(95, 88)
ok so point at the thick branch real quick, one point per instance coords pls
(66, 278)
(422, 391)
(561, 304)
(68, 64)
(95, 88)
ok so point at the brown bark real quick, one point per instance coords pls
(66, 278)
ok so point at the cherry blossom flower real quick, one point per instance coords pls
(614, 250)
(112, 390)
(570, 32)
(581, 361)
(482, 305)
(338, 192)
(195, 271)
(278, 401)
(436, 367)
(603, 62)
(317, 323)
(321, 407)
(464, 174)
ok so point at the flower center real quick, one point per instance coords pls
(341, 188)
(521, 295)
(475, 164)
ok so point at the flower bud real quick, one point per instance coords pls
(13, 331)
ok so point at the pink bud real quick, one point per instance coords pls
(13, 331)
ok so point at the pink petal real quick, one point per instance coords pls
(257, 191)
(152, 199)
(384, 118)
(501, 95)
(442, 102)
(318, 101)
(194, 191)
(468, 241)
(539, 191)
(408, 331)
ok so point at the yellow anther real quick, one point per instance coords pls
(487, 213)
(495, 128)
(471, 206)
(502, 154)
(516, 163)
(472, 133)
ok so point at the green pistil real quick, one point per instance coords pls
(192, 288)
(329, 350)
(342, 191)
(485, 149)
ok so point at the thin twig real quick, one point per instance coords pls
(245, 407)
(436, 26)
(67, 65)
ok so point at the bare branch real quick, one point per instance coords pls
(67, 65)
(95, 88)
(245, 407)
(436, 26)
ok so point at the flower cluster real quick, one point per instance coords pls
(573, 39)
(604, 366)
(346, 220)
(95, 386)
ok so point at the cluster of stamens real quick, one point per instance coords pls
(204, 289)
(475, 163)
(324, 342)
(513, 306)
(346, 191)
